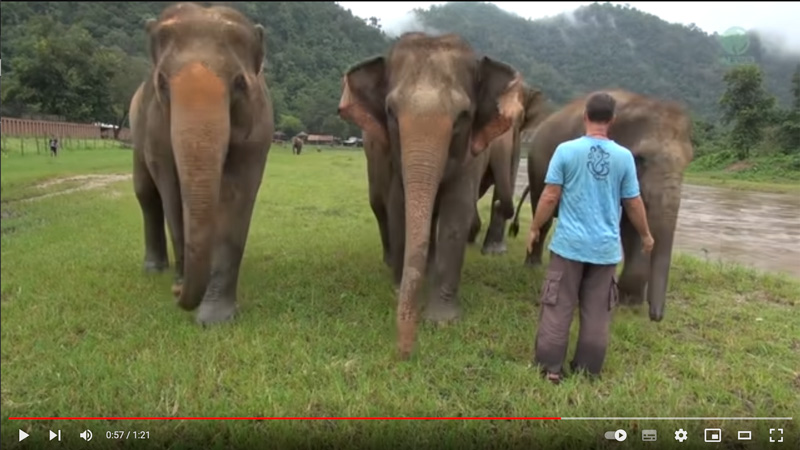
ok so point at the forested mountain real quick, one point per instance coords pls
(83, 60)
(603, 45)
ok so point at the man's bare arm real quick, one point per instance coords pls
(546, 206)
(634, 208)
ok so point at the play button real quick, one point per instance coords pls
(620, 435)
(22, 435)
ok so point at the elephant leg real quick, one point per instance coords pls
(155, 238)
(382, 217)
(475, 226)
(494, 242)
(457, 206)
(169, 187)
(397, 229)
(534, 258)
(636, 266)
(241, 180)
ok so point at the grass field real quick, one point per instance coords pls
(775, 173)
(85, 333)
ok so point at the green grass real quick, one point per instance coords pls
(86, 333)
(776, 173)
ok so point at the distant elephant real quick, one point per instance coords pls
(434, 106)
(202, 126)
(297, 146)
(658, 133)
(502, 173)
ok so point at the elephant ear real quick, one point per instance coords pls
(536, 108)
(260, 49)
(363, 100)
(150, 29)
(498, 102)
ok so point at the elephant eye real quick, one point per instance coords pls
(240, 83)
(162, 84)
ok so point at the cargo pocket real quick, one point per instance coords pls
(552, 283)
(613, 294)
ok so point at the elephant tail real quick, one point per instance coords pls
(513, 229)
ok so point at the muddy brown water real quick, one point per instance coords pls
(751, 228)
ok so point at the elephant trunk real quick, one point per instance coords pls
(200, 130)
(424, 146)
(667, 202)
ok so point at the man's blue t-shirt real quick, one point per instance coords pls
(595, 175)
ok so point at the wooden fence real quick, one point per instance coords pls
(11, 127)
(68, 134)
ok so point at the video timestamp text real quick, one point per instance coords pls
(127, 435)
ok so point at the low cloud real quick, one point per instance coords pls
(406, 23)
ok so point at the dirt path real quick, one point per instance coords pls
(753, 228)
(78, 183)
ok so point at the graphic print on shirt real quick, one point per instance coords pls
(599, 164)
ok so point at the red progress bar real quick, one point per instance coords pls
(284, 418)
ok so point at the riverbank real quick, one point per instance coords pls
(774, 174)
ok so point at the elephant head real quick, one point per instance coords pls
(535, 109)
(435, 104)
(207, 81)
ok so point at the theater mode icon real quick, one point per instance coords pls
(744, 435)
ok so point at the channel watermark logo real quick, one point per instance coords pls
(735, 43)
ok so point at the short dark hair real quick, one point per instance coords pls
(600, 108)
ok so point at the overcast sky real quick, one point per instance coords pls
(779, 20)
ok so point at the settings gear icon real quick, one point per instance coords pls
(681, 435)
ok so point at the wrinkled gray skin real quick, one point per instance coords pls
(434, 106)
(504, 158)
(297, 146)
(658, 133)
(202, 126)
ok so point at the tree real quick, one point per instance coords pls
(748, 105)
(789, 132)
(60, 70)
(290, 125)
(129, 72)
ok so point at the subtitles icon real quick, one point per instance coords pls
(619, 435)
(649, 435)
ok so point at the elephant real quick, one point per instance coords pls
(502, 173)
(297, 145)
(379, 177)
(431, 105)
(658, 133)
(202, 125)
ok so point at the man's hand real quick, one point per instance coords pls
(647, 244)
(533, 237)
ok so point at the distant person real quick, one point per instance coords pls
(587, 179)
(54, 147)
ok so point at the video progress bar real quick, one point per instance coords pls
(677, 418)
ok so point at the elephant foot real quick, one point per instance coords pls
(177, 288)
(442, 312)
(533, 261)
(628, 299)
(154, 265)
(656, 314)
(211, 313)
(494, 248)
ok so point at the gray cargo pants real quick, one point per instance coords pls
(569, 284)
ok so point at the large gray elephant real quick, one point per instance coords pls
(504, 155)
(297, 145)
(202, 125)
(434, 105)
(658, 133)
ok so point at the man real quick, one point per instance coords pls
(53, 147)
(590, 177)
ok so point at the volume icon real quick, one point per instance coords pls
(86, 435)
